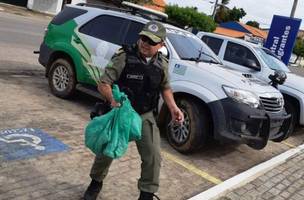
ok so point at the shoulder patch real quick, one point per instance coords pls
(119, 51)
(165, 59)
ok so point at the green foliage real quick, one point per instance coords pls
(253, 23)
(225, 2)
(236, 14)
(189, 16)
(298, 49)
(223, 14)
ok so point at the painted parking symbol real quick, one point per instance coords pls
(26, 143)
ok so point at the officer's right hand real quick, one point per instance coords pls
(115, 104)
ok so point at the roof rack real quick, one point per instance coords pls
(137, 9)
(105, 7)
(133, 9)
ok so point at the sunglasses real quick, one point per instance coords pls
(147, 40)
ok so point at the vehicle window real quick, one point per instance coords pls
(190, 47)
(271, 60)
(107, 28)
(67, 14)
(132, 34)
(214, 43)
(240, 55)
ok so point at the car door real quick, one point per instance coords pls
(240, 58)
(214, 44)
(102, 37)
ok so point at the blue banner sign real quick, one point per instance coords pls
(26, 143)
(282, 36)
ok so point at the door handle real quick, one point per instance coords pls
(77, 40)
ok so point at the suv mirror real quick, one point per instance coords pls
(251, 64)
(278, 78)
(164, 51)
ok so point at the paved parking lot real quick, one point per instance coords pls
(26, 102)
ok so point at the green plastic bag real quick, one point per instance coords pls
(110, 134)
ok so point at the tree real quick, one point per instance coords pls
(224, 14)
(189, 16)
(298, 49)
(236, 14)
(253, 23)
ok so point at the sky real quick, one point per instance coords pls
(257, 10)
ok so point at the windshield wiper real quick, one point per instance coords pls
(201, 60)
(200, 52)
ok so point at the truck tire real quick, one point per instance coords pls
(290, 109)
(61, 78)
(192, 134)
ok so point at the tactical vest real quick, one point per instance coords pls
(140, 81)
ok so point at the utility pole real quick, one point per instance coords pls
(293, 10)
(214, 9)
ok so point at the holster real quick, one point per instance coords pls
(100, 108)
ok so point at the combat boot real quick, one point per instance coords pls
(93, 190)
(147, 196)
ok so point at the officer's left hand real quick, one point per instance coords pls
(177, 116)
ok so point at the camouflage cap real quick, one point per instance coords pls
(155, 31)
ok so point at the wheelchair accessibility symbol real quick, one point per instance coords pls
(24, 140)
(27, 142)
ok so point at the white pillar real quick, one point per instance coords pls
(30, 4)
(59, 6)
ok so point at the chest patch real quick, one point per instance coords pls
(135, 76)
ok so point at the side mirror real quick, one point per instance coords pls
(164, 51)
(278, 78)
(251, 64)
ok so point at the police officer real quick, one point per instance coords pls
(141, 71)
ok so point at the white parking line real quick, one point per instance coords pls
(247, 176)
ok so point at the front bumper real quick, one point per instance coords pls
(254, 127)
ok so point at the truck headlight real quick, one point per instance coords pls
(242, 96)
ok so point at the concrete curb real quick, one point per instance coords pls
(247, 176)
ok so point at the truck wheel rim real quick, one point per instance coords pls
(180, 133)
(61, 78)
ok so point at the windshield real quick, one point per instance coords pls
(271, 60)
(190, 47)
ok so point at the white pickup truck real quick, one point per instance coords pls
(250, 58)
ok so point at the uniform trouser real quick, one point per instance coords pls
(149, 150)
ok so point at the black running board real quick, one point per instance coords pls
(90, 90)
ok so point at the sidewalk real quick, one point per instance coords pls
(284, 182)
(281, 178)
(18, 10)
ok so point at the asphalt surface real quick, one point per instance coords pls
(26, 101)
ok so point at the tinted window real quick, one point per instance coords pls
(240, 55)
(67, 14)
(132, 34)
(106, 28)
(214, 43)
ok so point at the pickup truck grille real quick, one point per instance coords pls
(272, 104)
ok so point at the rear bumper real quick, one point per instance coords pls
(44, 55)
(239, 122)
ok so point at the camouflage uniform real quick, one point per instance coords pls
(149, 146)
